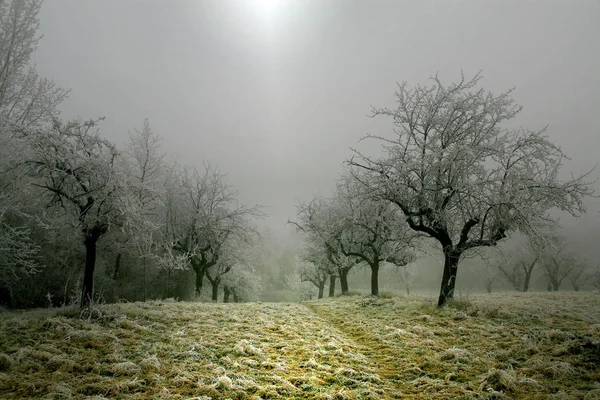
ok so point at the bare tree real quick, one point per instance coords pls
(558, 263)
(202, 215)
(406, 274)
(371, 230)
(594, 278)
(18, 256)
(460, 177)
(518, 269)
(146, 174)
(77, 169)
(316, 221)
(576, 275)
(26, 100)
(317, 274)
(352, 225)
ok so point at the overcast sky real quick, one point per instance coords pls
(275, 92)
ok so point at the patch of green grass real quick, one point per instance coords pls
(512, 345)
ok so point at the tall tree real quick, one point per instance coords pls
(26, 99)
(146, 173)
(77, 169)
(459, 176)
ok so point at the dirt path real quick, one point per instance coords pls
(387, 364)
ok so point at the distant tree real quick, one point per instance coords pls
(202, 214)
(594, 278)
(352, 228)
(145, 178)
(370, 230)
(576, 275)
(558, 263)
(77, 169)
(317, 221)
(244, 284)
(406, 274)
(518, 268)
(296, 284)
(170, 262)
(313, 273)
(459, 176)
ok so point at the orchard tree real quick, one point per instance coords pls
(370, 229)
(558, 263)
(317, 274)
(518, 269)
(243, 284)
(202, 215)
(406, 274)
(78, 171)
(318, 222)
(462, 178)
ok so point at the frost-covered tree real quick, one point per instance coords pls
(406, 274)
(370, 230)
(460, 176)
(243, 284)
(317, 221)
(19, 256)
(594, 278)
(317, 274)
(142, 204)
(518, 268)
(558, 263)
(202, 215)
(77, 170)
(26, 99)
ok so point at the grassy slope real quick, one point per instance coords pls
(540, 345)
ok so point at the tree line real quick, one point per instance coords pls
(450, 173)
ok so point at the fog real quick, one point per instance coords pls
(276, 92)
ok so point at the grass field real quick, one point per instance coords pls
(524, 346)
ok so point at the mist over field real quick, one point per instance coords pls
(336, 199)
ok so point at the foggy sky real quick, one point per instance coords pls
(274, 93)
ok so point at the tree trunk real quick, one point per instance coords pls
(448, 278)
(321, 289)
(117, 267)
(225, 294)
(344, 281)
(236, 297)
(88, 275)
(489, 287)
(215, 289)
(332, 279)
(199, 278)
(375, 279)
(526, 281)
(528, 271)
(145, 273)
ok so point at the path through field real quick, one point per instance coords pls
(525, 346)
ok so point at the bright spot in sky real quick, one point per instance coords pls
(265, 9)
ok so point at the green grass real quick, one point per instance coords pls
(529, 346)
